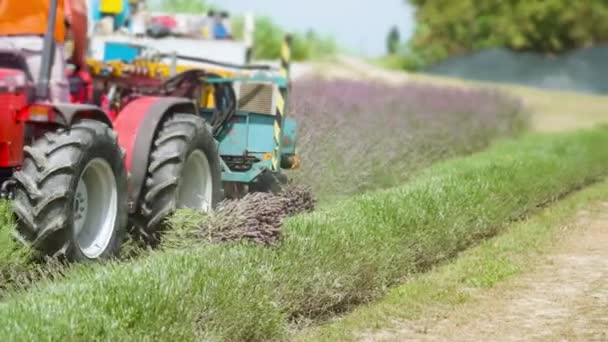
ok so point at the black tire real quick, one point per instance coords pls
(269, 182)
(179, 137)
(46, 188)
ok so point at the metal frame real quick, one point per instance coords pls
(254, 129)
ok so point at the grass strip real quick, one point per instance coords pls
(449, 286)
(330, 260)
(15, 259)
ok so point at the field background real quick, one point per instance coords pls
(374, 144)
(551, 110)
(336, 258)
(454, 300)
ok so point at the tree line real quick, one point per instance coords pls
(452, 27)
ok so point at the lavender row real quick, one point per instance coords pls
(356, 136)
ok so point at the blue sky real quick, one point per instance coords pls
(358, 25)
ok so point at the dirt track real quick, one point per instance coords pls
(564, 299)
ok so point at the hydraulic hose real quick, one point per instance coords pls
(189, 83)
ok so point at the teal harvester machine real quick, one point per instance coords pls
(245, 106)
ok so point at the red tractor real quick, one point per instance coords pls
(77, 175)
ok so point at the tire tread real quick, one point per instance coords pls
(170, 148)
(42, 203)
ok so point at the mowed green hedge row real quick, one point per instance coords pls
(330, 260)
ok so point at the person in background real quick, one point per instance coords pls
(134, 4)
(207, 26)
(219, 30)
(22, 28)
(225, 20)
(123, 19)
(139, 20)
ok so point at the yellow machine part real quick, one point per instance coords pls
(207, 97)
(111, 6)
(158, 70)
(151, 69)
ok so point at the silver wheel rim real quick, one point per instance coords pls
(195, 190)
(95, 208)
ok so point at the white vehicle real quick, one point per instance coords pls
(183, 40)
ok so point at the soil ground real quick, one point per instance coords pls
(564, 299)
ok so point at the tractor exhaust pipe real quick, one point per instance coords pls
(48, 56)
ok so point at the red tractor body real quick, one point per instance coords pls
(63, 164)
(13, 101)
(75, 172)
(130, 148)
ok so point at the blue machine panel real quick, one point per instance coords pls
(261, 133)
(120, 51)
(288, 145)
(248, 133)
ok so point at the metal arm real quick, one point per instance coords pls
(48, 56)
(220, 64)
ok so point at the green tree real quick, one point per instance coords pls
(452, 27)
(268, 38)
(184, 6)
(393, 40)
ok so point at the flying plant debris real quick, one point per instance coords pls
(257, 217)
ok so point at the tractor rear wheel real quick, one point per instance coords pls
(69, 195)
(184, 172)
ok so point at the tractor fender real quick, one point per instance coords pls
(136, 126)
(66, 113)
